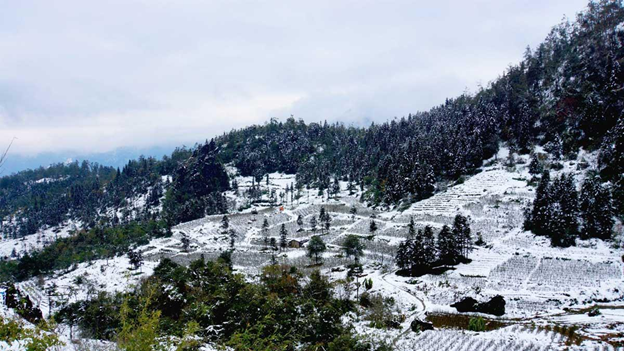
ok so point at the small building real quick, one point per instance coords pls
(296, 244)
(3, 295)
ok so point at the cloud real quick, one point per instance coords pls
(96, 76)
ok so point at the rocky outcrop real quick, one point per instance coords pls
(496, 306)
(419, 326)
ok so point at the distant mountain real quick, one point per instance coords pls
(565, 95)
(116, 158)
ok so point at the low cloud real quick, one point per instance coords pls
(96, 76)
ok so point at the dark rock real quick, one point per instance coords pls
(496, 306)
(594, 312)
(418, 326)
(392, 324)
(468, 304)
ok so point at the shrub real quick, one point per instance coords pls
(379, 311)
(36, 339)
(476, 324)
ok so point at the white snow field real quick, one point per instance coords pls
(548, 291)
(18, 247)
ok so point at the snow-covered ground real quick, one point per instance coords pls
(543, 286)
(21, 246)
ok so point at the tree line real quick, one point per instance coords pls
(562, 214)
(422, 251)
(564, 94)
(207, 302)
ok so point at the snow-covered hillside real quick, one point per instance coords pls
(10, 247)
(542, 285)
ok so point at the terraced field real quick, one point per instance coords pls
(537, 281)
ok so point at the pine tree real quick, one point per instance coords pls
(372, 227)
(265, 225)
(428, 243)
(322, 214)
(313, 223)
(539, 218)
(618, 195)
(556, 228)
(300, 221)
(403, 256)
(136, 258)
(424, 181)
(569, 203)
(409, 254)
(186, 242)
(351, 187)
(448, 252)
(265, 231)
(316, 247)
(596, 210)
(353, 247)
(283, 236)
(336, 186)
(555, 148)
(535, 167)
(411, 229)
(272, 197)
(353, 211)
(233, 237)
(225, 223)
(327, 222)
(562, 225)
(461, 234)
(325, 219)
(417, 253)
(611, 162)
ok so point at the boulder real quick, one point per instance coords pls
(594, 312)
(496, 306)
(468, 304)
(419, 326)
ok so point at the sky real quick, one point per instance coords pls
(95, 76)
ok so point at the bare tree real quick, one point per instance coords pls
(3, 156)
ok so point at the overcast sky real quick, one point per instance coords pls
(93, 76)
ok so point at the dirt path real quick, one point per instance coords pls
(418, 313)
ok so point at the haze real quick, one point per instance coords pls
(89, 77)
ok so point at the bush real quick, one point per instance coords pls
(476, 324)
(36, 339)
(365, 300)
(251, 315)
(379, 311)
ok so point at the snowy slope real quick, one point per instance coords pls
(542, 285)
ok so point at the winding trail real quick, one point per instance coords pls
(418, 313)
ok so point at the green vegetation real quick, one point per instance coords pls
(352, 246)
(210, 302)
(379, 311)
(37, 338)
(316, 247)
(84, 246)
(463, 321)
(476, 324)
